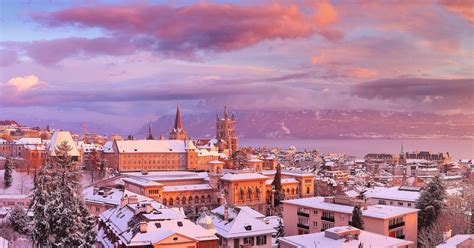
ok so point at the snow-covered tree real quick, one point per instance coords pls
(280, 229)
(430, 203)
(276, 184)
(18, 219)
(357, 221)
(7, 176)
(61, 218)
(239, 159)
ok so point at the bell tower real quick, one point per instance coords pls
(178, 132)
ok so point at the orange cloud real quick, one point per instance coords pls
(24, 83)
(321, 59)
(326, 14)
(361, 72)
(464, 8)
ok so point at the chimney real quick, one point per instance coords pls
(149, 208)
(226, 212)
(143, 226)
(124, 200)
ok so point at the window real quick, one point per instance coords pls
(409, 204)
(307, 190)
(341, 216)
(315, 212)
(400, 203)
(382, 202)
(261, 240)
(315, 223)
(327, 226)
(248, 241)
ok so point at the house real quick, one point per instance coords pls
(146, 223)
(343, 236)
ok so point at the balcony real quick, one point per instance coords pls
(401, 236)
(399, 224)
(302, 226)
(328, 218)
(302, 214)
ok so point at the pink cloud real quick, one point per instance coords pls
(465, 8)
(183, 31)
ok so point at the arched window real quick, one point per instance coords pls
(297, 190)
(164, 202)
(209, 198)
(287, 191)
(171, 202)
(190, 200)
(203, 199)
(183, 200)
(242, 194)
(249, 193)
(292, 191)
(177, 201)
(257, 193)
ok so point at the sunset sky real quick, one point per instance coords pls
(128, 62)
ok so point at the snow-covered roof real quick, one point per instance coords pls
(456, 240)
(108, 147)
(141, 181)
(283, 181)
(146, 146)
(59, 137)
(393, 193)
(28, 141)
(242, 176)
(368, 239)
(4, 243)
(108, 196)
(374, 211)
(161, 176)
(161, 223)
(189, 187)
(242, 222)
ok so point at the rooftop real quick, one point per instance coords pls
(150, 146)
(374, 211)
(393, 193)
(242, 176)
(321, 239)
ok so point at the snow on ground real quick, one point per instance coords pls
(22, 183)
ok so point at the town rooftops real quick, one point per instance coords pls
(28, 141)
(373, 211)
(242, 177)
(141, 182)
(393, 193)
(162, 176)
(332, 238)
(150, 146)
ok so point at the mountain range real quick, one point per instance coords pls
(325, 124)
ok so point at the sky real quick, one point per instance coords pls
(124, 63)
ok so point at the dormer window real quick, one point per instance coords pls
(248, 227)
(179, 223)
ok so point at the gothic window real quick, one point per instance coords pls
(292, 191)
(241, 194)
(164, 202)
(209, 198)
(171, 202)
(249, 193)
(183, 201)
(203, 199)
(190, 200)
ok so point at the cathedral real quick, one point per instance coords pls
(225, 133)
(178, 132)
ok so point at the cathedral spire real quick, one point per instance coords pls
(178, 125)
(162, 137)
(150, 132)
(226, 115)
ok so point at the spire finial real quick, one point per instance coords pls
(178, 125)
(150, 132)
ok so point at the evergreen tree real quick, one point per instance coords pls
(61, 218)
(18, 219)
(430, 203)
(94, 163)
(239, 159)
(276, 184)
(357, 220)
(7, 176)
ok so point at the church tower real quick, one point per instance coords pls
(178, 132)
(225, 133)
(150, 133)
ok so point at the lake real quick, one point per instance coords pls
(359, 147)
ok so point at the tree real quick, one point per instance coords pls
(18, 219)
(280, 229)
(7, 176)
(430, 203)
(239, 159)
(357, 220)
(61, 218)
(93, 161)
(102, 168)
(276, 185)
